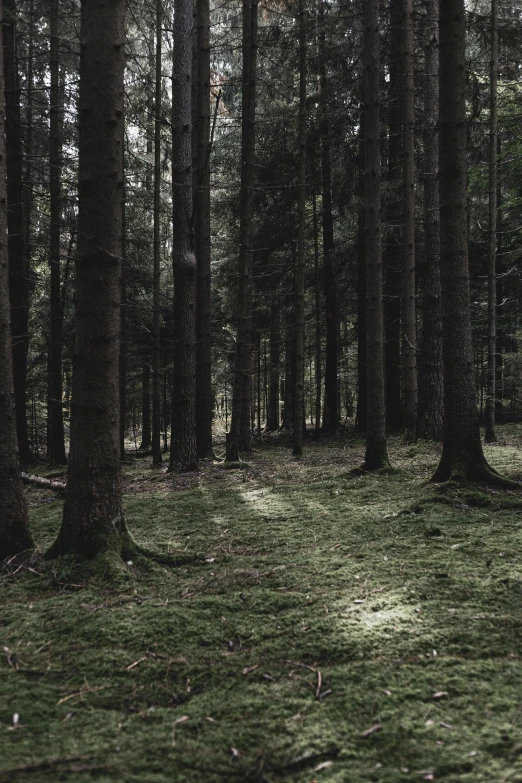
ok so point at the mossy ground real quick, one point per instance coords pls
(307, 606)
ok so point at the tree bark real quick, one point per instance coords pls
(299, 315)
(272, 421)
(18, 269)
(145, 406)
(362, 390)
(14, 526)
(156, 274)
(331, 391)
(431, 385)
(462, 456)
(409, 310)
(183, 449)
(238, 438)
(93, 520)
(202, 242)
(492, 229)
(394, 240)
(317, 297)
(376, 456)
(56, 439)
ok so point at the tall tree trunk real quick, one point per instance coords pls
(18, 269)
(317, 293)
(492, 249)
(409, 310)
(123, 305)
(204, 397)
(93, 520)
(376, 448)
(14, 526)
(56, 442)
(331, 391)
(272, 419)
(362, 391)
(145, 406)
(156, 275)
(431, 386)
(238, 437)
(462, 455)
(299, 407)
(394, 240)
(183, 450)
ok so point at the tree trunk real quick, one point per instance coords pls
(394, 241)
(362, 390)
(183, 450)
(56, 442)
(14, 526)
(18, 270)
(145, 407)
(204, 397)
(492, 248)
(331, 391)
(156, 274)
(409, 310)
(123, 306)
(317, 294)
(93, 521)
(272, 421)
(239, 436)
(462, 456)
(299, 314)
(431, 385)
(376, 448)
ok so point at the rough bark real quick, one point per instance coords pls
(331, 310)
(299, 314)
(492, 229)
(431, 375)
(272, 421)
(18, 269)
(318, 332)
(393, 248)
(376, 456)
(362, 391)
(202, 241)
(93, 521)
(14, 527)
(183, 449)
(238, 437)
(56, 440)
(145, 407)
(156, 274)
(462, 456)
(409, 310)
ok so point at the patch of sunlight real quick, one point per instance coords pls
(266, 503)
(389, 615)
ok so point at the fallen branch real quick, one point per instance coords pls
(57, 486)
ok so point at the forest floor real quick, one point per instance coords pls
(319, 626)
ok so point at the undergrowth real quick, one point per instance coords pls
(317, 626)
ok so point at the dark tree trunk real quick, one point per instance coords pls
(431, 385)
(393, 249)
(362, 391)
(299, 314)
(238, 439)
(331, 391)
(202, 244)
(492, 249)
(272, 421)
(123, 307)
(462, 455)
(409, 310)
(18, 268)
(376, 448)
(156, 275)
(145, 407)
(14, 527)
(93, 521)
(317, 294)
(56, 442)
(183, 450)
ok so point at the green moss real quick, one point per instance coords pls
(260, 581)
